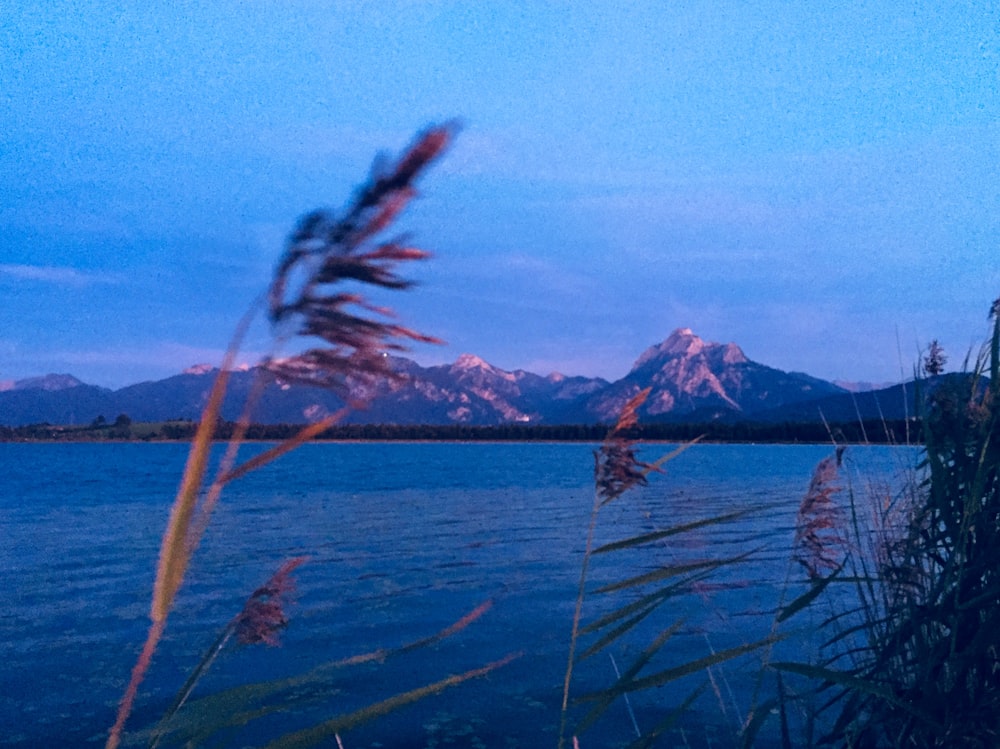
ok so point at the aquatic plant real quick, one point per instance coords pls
(262, 617)
(919, 654)
(617, 470)
(344, 338)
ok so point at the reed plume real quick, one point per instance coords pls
(819, 529)
(617, 467)
(328, 251)
(262, 617)
(922, 649)
(348, 339)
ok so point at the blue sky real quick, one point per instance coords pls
(814, 181)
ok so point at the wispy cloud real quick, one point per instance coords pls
(168, 355)
(117, 365)
(58, 275)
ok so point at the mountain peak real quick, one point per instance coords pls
(684, 343)
(49, 382)
(471, 361)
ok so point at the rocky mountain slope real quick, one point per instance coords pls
(690, 379)
(689, 376)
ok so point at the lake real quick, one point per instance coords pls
(402, 540)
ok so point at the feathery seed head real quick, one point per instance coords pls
(819, 545)
(325, 251)
(616, 465)
(263, 615)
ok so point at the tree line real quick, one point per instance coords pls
(123, 429)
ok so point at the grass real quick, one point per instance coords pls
(338, 340)
(912, 651)
(915, 662)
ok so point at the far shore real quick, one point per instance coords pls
(182, 431)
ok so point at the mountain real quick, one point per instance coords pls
(862, 386)
(76, 405)
(47, 382)
(891, 403)
(690, 380)
(687, 376)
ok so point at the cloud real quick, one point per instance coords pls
(118, 365)
(166, 355)
(58, 275)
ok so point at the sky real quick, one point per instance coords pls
(816, 182)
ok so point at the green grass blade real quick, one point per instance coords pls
(761, 715)
(855, 683)
(677, 672)
(814, 592)
(657, 597)
(674, 570)
(617, 632)
(667, 723)
(327, 729)
(647, 538)
(606, 697)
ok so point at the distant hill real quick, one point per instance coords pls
(46, 382)
(690, 380)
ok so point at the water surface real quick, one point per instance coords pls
(402, 540)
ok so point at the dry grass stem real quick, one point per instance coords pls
(353, 336)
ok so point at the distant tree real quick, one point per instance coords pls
(123, 420)
(935, 360)
(99, 422)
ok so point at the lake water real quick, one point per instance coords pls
(402, 540)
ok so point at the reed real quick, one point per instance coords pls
(916, 661)
(338, 341)
(617, 471)
(913, 660)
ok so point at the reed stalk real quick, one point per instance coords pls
(348, 338)
(926, 672)
(617, 470)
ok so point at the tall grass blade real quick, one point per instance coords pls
(855, 684)
(803, 601)
(605, 698)
(271, 454)
(243, 704)
(652, 537)
(328, 729)
(677, 672)
(673, 570)
(668, 722)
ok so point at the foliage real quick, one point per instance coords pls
(874, 432)
(926, 672)
(935, 359)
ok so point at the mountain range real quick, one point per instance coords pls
(690, 380)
